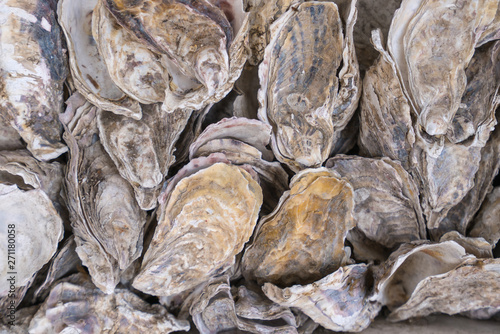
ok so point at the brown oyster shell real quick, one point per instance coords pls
(338, 302)
(302, 240)
(478, 247)
(301, 96)
(474, 285)
(214, 209)
(486, 224)
(107, 222)
(32, 72)
(387, 208)
(88, 69)
(76, 305)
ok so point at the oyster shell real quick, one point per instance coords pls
(338, 302)
(88, 69)
(486, 224)
(387, 208)
(213, 208)
(132, 66)
(9, 137)
(205, 62)
(302, 240)
(107, 222)
(473, 285)
(75, 305)
(478, 247)
(142, 149)
(215, 310)
(32, 72)
(301, 96)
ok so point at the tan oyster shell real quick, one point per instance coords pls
(75, 305)
(131, 65)
(214, 209)
(337, 302)
(473, 285)
(107, 222)
(387, 207)
(89, 72)
(301, 96)
(32, 72)
(302, 240)
(478, 247)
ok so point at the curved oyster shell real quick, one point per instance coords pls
(142, 149)
(338, 302)
(301, 96)
(302, 240)
(387, 208)
(131, 65)
(75, 305)
(89, 72)
(478, 247)
(398, 277)
(32, 76)
(107, 222)
(215, 209)
(473, 285)
(486, 223)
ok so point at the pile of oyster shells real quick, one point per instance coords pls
(247, 166)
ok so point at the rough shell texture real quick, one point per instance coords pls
(107, 222)
(478, 247)
(88, 69)
(301, 96)
(32, 76)
(338, 302)
(214, 209)
(302, 240)
(75, 305)
(387, 208)
(486, 222)
(473, 285)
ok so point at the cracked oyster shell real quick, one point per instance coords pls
(142, 150)
(75, 305)
(397, 278)
(486, 224)
(473, 286)
(302, 240)
(301, 96)
(32, 72)
(215, 310)
(209, 206)
(338, 302)
(205, 62)
(88, 69)
(107, 222)
(387, 207)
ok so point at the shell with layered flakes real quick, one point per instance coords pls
(302, 240)
(205, 220)
(32, 72)
(309, 86)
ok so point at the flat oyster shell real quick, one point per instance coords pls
(107, 222)
(204, 63)
(30, 220)
(338, 302)
(132, 66)
(398, 277)
(302, 240)
(301, 97)
(32, 71)
(486, 224)
(473, 285)
(89, 72)
(214, 310)
(75, 305)
(214, 209)
(142, 149)
(387, 207)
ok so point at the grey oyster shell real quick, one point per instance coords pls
(32, 72)
(209, 206)
(486, 224)
(301, 96)
(75, 305)
(107, 221)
